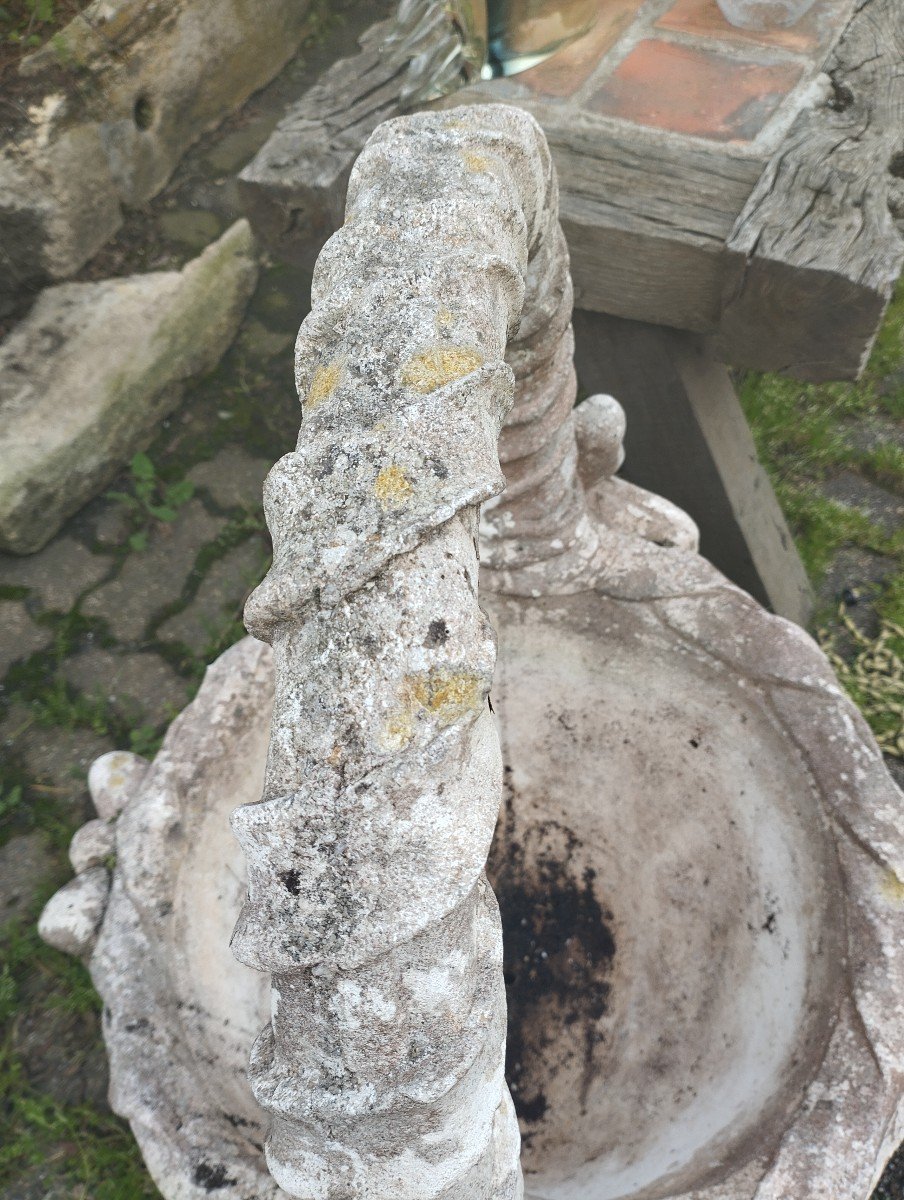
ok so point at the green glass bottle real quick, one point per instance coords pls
(522, 33)
(452, 42)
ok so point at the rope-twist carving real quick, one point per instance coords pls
(367, 898)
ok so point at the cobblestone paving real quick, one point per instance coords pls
(105, 634)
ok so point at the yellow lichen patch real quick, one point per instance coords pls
(432, 369)
(392, 487)
(893, 888)
(324, 383)
(444, 318)
(475, 162)
(446, 695)
(399, 731)
(442, 696)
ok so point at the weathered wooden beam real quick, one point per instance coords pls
(788, 261)
(814, 256)
(294, 189)
(688, 439)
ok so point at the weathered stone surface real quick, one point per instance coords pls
(129, 88)
(72, 916)
(711, 796)
(58, 204)
(91, 845)
(21, 636)
(25, 862)
(89, 373)
(153, 578)
(220, 597)
(57, 575)
(142, 687)
(233, 479)
(114, 780)
(599, 425)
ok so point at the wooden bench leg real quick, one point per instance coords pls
(688, 440)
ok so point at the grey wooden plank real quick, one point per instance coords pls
(816, 251)
(789, 262)
(687, 440)
(294, 189)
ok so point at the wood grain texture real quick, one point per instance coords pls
(788, 262)
(294, 189)
(816, 251)
(687, 440)
(646, 216)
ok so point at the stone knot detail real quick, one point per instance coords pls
(367, 898)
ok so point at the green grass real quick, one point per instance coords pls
(26, 24)
(92, 1152)
(803, 434)
(150, 499)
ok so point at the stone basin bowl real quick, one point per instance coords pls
(698, 863)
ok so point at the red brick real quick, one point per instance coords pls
(815, 31)
(564, 72)
(695, 91)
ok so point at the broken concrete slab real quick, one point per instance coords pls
(85, 378)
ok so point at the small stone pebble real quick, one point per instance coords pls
(73, 915)
(92, 845)
(113, 781)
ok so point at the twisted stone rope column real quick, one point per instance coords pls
(367, 899)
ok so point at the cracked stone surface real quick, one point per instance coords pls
(220, 597)
(22, 636)
(153, 578)
(57, 575)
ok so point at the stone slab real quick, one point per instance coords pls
(115, 100)
(154, 578)
(57, 575)
(86, 377)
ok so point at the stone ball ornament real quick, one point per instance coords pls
(518, 852)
